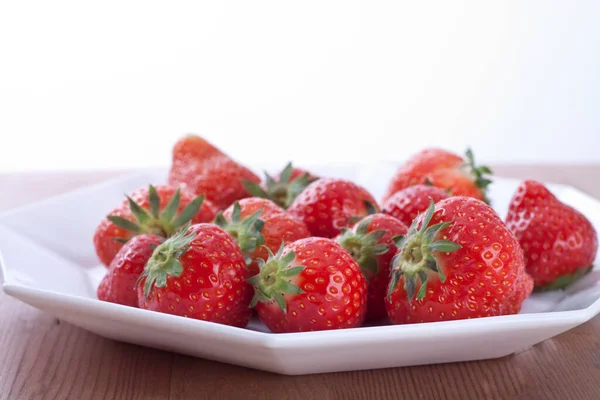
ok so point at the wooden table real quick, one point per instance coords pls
(42, 358)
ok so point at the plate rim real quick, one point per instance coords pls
(268, 340)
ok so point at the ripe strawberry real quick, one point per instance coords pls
(159, 210)
(328, 205)
(118, 285)
(255, 235)
(445, 170)
(560, 244)
(198, 273)
(370, 243)
(407, 203)
(284, 187)
(309, 285)
(461, 261)
(206, 170)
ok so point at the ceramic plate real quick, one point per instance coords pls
(48, 261)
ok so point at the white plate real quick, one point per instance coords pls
(48, 261)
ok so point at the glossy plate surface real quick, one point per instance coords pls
(48, 261)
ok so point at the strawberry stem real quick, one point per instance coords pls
(246, 232)
(163, 224)
(273, 280)
(417, 256)
(282, 192)
(363, 247)
(164, 261)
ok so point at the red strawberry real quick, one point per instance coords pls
(198, 273)
(407, 203)
(370, 243)
(159, 210)
(461, 261)
(284, 187)
(559, 243)
(118, 285)
(206, 170)
(255, 235)
(328, 205)
(445, 170)
(309, 285)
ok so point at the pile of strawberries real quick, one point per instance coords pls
(313, 253)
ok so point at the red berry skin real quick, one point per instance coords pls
(407, 203)
(442, 168)
(107, 232)
(557, 240)
(251, 205)
(481, 277)
(277, 229)
(524, 289)
(414, 171)
(118, 285)
(328, 204)
(204, 169)
(457, 182)
(212, 286)
(378, 282)
(278, 226)
(334, 290)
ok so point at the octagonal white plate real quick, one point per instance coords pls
(48, 261)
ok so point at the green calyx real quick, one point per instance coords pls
(273, 280)
(164, 261)
(282, 192)
(417, 256)
(479, 173)
(363, 246)
(163, 223)
(246, 232)
(565, 280)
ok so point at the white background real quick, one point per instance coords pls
(113, 84)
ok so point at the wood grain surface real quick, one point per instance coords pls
(42, 358)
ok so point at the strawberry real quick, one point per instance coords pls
(328, 205)
(461, 261)
(199, 273)
(311, 284)
(118, 285)
(254, 235)
(204, 169)
(370, 243)
(284, 187)
(445, 170)
(159, 210)
(407, 203)
(560, 244)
